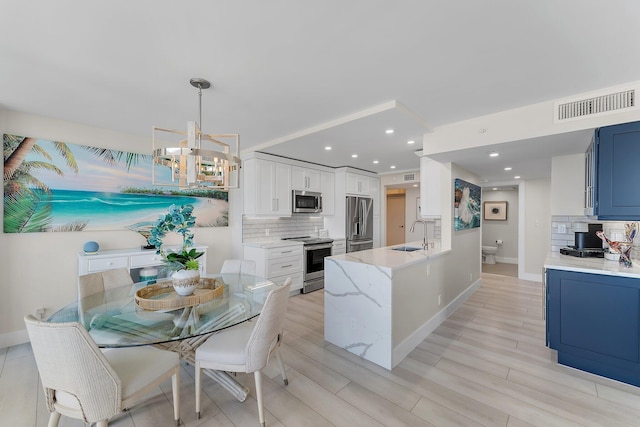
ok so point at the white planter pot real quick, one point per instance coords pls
(185, 281)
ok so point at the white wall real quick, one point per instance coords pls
(507, 231)
(41, 269)
(536, 227)
(567, 185)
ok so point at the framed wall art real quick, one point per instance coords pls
(466, 205)
(59, 186)
(495, 211)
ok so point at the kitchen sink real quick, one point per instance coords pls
(405, 249)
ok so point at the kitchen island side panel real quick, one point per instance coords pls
(357, 309)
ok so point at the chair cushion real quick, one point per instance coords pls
(227, 347)
(137, 367)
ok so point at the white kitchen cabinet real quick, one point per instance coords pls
(357, 184)
(328, 190)
(134, 260)
(374, 192)
(305, 179)
(278, 263)
(339, 247)
(430, 188)
(267, 188)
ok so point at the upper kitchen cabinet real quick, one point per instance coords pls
(357, 185)
(267, 187)
(305, 179)
(430, 188)
(328, 190)
(617, 174)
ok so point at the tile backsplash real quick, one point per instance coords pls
(265, 229)
(563, 229)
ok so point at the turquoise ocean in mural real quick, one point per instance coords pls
(102, 208)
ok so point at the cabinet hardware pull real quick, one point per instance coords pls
(287, 266)
(286, 252)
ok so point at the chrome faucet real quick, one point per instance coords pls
(424, 238)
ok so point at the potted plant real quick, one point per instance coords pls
(183, 264)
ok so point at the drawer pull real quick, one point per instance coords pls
(287, 266)
(286, 252)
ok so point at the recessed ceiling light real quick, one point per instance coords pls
(517, 177)
(393, 167)
(354, 155)
(411, 141)
(375, 162)
(327, 148)
(494, 154)
(388, 131)
(495, 188)
(508, 168)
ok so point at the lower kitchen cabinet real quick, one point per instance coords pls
(278, 263)
(339, 247)
(593, 321)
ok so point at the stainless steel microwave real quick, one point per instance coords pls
(306, 202)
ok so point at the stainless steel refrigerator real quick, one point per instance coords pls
(359, 232)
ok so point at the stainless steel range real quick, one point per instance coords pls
(315, 249)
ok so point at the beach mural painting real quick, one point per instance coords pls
(57, 186)
(466, 205)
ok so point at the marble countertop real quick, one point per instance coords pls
(388, 258)
(558, 261)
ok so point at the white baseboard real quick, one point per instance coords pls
(507, 260)
(403, 349)
(9, 339)
(530, 276)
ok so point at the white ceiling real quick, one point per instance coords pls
(291, 77)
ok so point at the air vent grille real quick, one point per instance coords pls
(598, 104)
(409, 177)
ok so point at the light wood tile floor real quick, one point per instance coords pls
(485, 365)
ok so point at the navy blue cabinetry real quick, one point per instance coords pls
(593, 321)
(618, 172)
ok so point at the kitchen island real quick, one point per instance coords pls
(593, 315)
(381, 303)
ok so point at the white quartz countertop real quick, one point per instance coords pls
(558, 261)
(387, 257)
(272, 244)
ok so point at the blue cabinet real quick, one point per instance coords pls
(618, 172)
(593, 321)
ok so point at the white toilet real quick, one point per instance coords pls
(488, 254)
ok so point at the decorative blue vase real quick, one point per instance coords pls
(91, 247)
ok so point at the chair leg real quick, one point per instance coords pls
(54, 419)
(258, 377)
(282, 372)
(198, 390)
(175, 386)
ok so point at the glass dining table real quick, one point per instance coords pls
(115, 319)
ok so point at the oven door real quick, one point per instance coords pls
(314, 260)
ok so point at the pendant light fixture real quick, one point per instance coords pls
(193, 159)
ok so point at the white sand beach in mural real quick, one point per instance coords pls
(207, 212)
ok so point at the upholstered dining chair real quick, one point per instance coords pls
(82, 382)
(238, 266)
(93, 283)
(246, 347)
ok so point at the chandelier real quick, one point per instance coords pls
(193, 159)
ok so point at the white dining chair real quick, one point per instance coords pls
(246, 347)
(93, 283)
(82, 382)
(239, 266)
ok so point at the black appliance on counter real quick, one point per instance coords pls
(315, 249)
(587, 244)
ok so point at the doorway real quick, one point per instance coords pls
(502, 233)
(396, 214)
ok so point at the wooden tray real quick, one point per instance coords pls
(161, 296)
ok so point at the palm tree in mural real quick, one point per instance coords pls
(27, 204)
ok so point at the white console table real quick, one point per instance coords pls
(133, 259)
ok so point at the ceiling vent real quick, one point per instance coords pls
(409, 177)
(596, 105)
